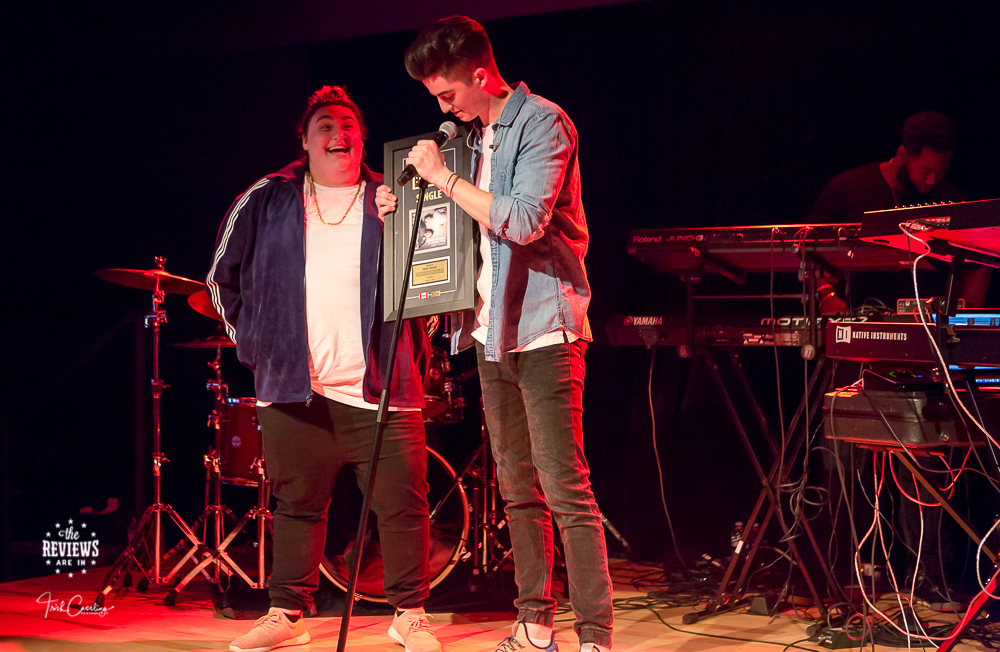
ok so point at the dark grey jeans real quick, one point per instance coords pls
(534, 413)
(305, 447)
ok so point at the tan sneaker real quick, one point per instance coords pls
(411, 630)
(271, 631)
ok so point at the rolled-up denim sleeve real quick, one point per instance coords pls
(546, 147)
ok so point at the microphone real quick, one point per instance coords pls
(446, 132)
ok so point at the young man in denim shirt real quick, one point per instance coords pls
(530, 328)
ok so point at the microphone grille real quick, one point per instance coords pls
(449, 128)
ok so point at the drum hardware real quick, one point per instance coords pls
(226, 416)
(486, 547)
(240, 446)
(448, 533)
(214, 514)
(149, 533)
(261, 516)
(202, 304)
(487, 550)
(219, 339)
(443, 400)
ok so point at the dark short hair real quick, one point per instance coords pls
(929, 129)
(326, 96)
(450, 46)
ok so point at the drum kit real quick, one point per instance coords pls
(236, 457)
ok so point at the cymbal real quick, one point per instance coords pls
(147, 279)
(202, 304)
(208, 342)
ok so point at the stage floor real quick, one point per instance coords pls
(31, 620)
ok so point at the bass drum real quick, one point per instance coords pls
(449, 510)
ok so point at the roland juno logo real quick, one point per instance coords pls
(676, 237)
(687, 237)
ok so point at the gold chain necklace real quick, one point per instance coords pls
(312, 189)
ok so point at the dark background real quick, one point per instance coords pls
(130, 130)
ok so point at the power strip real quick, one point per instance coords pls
(839, 640)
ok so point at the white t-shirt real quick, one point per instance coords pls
(333, 290)
(484, 283)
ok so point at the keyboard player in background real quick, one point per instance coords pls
(914, 175)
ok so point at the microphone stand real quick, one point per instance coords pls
(381, 421)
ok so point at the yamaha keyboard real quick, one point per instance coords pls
(976, 340)
(736, 330)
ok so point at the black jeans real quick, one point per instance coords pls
(305, 447)
(534, 412)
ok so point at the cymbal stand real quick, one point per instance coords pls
(488, 550)
(137, 554)
(215, 512)
(484, 547)
(264, 526)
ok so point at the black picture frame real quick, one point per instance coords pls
(443, 278)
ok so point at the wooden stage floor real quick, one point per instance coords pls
(134, 622)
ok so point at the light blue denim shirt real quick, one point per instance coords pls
(538, 231)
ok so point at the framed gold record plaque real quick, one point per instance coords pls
(443, 278)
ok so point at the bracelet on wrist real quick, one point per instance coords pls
(444, 186)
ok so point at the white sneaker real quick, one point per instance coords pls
(272, 631)
(410, 629)
(519, 640)
(593, 647)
